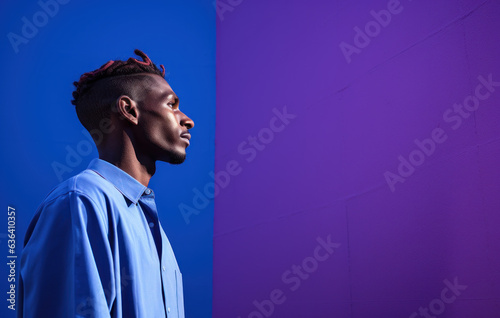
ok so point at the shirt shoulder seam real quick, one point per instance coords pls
(73, 189)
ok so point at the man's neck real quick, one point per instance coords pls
(123, 156)
(134, 168)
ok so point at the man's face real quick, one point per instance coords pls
(163, 127)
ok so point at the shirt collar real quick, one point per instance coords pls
(123, 182)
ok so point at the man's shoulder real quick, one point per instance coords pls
(86, 193)
(86, 184)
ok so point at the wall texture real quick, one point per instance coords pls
(357, 149)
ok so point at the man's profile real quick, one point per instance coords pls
(95, 247)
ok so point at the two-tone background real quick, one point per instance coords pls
(344, 160)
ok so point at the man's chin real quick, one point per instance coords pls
(176, 159)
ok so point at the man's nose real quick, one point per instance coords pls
(186, 121)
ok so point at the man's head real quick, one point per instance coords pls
(134, 97)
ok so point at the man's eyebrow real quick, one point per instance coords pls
(170, 93)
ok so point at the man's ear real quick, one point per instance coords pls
(127, 109)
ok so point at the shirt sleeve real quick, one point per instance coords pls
(67, 262)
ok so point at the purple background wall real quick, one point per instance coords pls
(425, 246)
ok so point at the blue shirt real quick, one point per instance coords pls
(95, 248)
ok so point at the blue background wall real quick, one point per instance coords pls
(40, 126)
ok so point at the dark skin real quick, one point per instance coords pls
(148, 128)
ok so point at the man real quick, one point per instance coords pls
(95, 247)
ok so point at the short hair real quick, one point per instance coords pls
(98, 90)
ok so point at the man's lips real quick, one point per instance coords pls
(186, 137)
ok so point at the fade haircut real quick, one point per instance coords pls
(97, 91)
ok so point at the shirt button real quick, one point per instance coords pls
(151, 224)
(163, 268)
(168, 309)
(148, 191)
